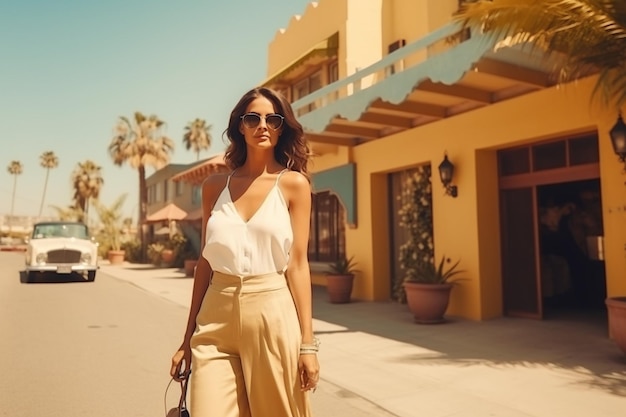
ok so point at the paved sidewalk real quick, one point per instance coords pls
(377, 362)
(329, 400)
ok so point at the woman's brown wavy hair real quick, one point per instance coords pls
(291, 151)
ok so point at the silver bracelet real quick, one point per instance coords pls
(308, 348)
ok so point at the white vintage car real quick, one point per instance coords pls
(61, 247)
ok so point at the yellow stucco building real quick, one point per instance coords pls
(385, 86)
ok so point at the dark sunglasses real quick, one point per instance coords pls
(252, 120)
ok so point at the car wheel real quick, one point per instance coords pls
(91, 276)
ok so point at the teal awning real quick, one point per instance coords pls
(340, 181)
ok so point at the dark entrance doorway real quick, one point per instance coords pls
(570, 246)
(551, 228)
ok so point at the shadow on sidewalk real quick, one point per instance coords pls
(577, 343)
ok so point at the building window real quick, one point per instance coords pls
(399, 65)
(333, 72)
(151, 194)
(158, 193)
(333, 76)
(327, 237)
(196, 195)
(179, 188)
(546, 156)
(305, 87)
(165, 190)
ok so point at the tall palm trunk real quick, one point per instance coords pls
(45, 188)
(143, 212)
(86, 212)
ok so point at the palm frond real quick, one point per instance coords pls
(15, 168)
(589, 35)
(197, 136)
(139, 117)
(48, 160)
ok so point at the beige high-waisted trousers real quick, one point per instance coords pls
(245, 350)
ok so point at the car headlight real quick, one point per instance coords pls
(85, 258)
(41, 258)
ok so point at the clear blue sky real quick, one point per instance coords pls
(70, 68)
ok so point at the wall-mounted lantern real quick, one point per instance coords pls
(446, 173)
(618, 138)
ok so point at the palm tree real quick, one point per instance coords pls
(590, 35)
(87, 182)
(15, 168)
(47, 160)
(141, 144)
(197, 136)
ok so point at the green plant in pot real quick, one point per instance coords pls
(415, 218)
(110, 236)
(428, 289)
(340, 280)
(154, 253)
(428, 273)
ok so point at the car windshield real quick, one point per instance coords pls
(43, 231)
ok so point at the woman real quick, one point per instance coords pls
(249, 336)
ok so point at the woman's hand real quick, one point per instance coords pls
(309, 369)
(181, 363)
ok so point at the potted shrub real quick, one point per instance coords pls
(167, 256)
(340, 279)
(190, 266)
(180, 246)
(190, 260)
(112, 229)
(428, 289)
(154, 253)
(415, 217)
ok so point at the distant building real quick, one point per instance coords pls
(175, 197)
(20, 224)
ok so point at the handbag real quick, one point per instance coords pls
(181, 409)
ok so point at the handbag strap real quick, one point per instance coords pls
(182, 402)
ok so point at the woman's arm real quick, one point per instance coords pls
(298, 273)
(181, 361)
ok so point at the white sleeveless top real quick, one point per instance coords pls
(259, 246)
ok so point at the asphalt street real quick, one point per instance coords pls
(83, 349)
(73, 348)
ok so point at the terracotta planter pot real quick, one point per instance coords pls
(427, 302)
(190, 267)
(616, 307)
(339, 288)
(167, 256)
(116, 257)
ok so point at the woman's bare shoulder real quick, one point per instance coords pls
(295, 186)
(215, 182)
(296, 181)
